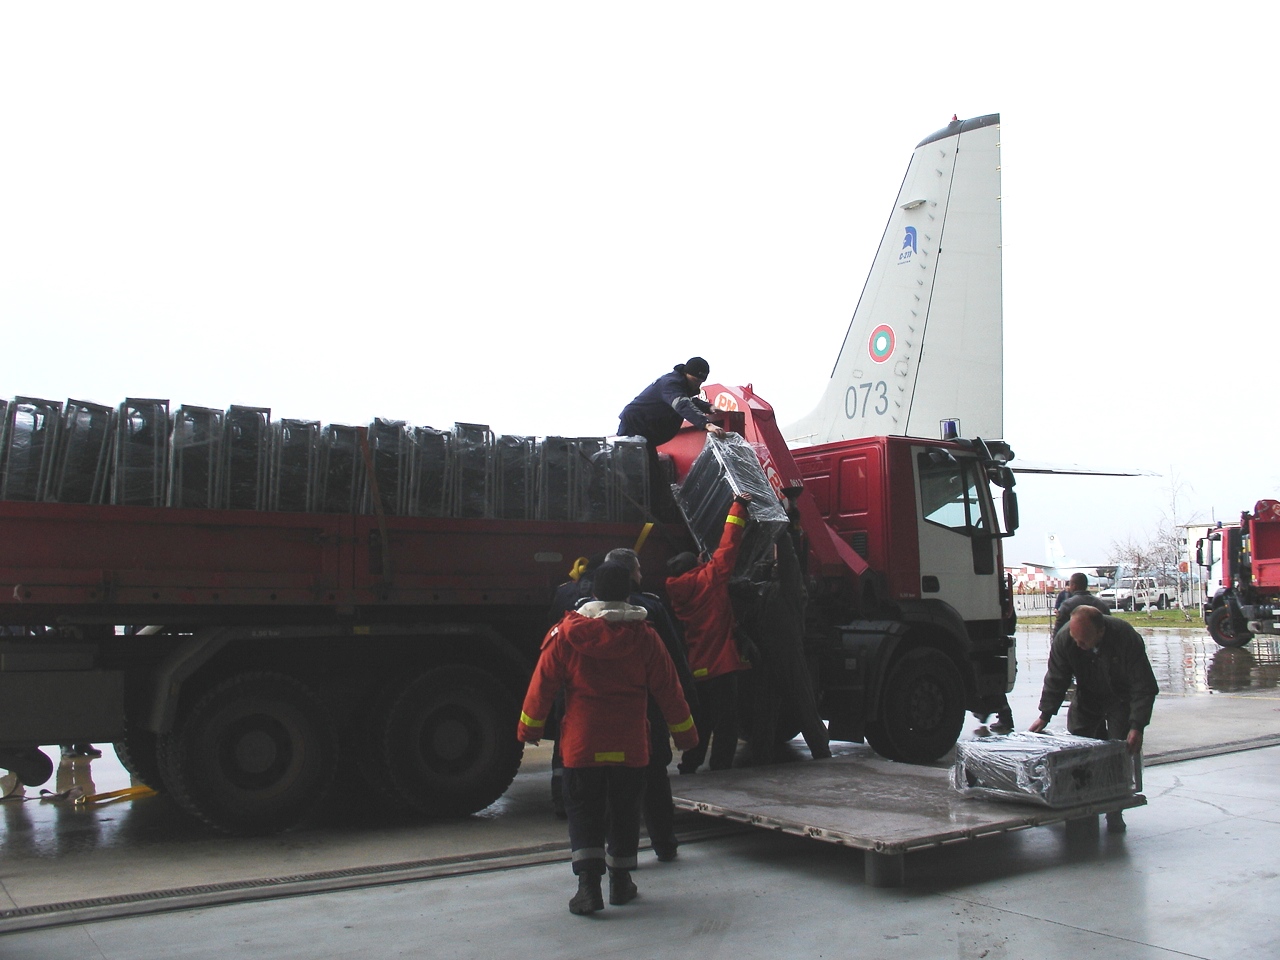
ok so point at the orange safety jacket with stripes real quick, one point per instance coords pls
(700, 598)
(608, 660)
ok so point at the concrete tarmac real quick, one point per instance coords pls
(1188, 879)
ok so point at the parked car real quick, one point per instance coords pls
(1135, 593)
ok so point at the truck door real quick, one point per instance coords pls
(958, 535)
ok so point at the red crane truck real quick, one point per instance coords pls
(282, 635)
(1248, 599)
(282, 644)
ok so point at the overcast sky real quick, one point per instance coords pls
(520, 214)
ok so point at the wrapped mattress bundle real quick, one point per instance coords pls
(1053, 770)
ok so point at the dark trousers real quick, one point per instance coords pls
(659, 808)
(717, 719)
(603, 804)
(1100, 721)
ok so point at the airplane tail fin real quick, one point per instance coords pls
(1053, 551)
(926, 340)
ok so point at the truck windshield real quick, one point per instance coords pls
(954, 494)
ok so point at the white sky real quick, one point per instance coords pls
(520, 214)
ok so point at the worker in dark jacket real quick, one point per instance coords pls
(658, 410)
(1078, 597)
(608, 660)
(1115, 685)
(657, 413)
(659, 807)
(780, 678)
(699, 595)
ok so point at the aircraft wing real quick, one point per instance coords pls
(1072, 469)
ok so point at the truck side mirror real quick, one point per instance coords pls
(1010, 501)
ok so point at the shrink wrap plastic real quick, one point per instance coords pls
(724, 469)
(83, 470)
(1052, 770)
(198, 457)
(30, 439)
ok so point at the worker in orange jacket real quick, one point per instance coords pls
(607, 659)
(699, 595)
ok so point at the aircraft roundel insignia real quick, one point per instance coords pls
(880, 346)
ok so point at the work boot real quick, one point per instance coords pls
(1115, 822)
(666, 852)
(622, 889)
(589, 897)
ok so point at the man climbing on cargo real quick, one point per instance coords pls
(1115, 685)
(659, 808)
(656, 414)
(607, 659)
(658, 410)
(699, 595)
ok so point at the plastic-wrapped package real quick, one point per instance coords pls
(31, 437)
(431, 476)
(391, 450)
(629, 486)
(195, 458)
(722, 470)
(1052, 770)
(473, 470)
(141, 453)
(295, 460)
(592, 480)
(247, 458)
(341, 469)
(514, 485)
(83, 470)
(556, 463)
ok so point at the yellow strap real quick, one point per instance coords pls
(128, 793)
(731, 518)
(612, 756)
(683, 726)
(528, 721)
(700, 672)
(644, 535)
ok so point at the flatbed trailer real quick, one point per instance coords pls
(883, 808)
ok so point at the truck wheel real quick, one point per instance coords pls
(923, 707)
(1162, 603)
(360, 744)
(450, 744)
(137, 753)
(1220, 628)
(879, 740)
(252, 755)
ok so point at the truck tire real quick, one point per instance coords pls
(1162, 603)
(137, 753)
(252, 755)
(922, 709)
(360, 743)
(450, 743)
(1220, 628)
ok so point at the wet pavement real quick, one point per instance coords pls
(61, 863)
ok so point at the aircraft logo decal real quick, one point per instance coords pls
(909, 246)
(881, 344)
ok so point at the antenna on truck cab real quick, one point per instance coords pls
(926, 342)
